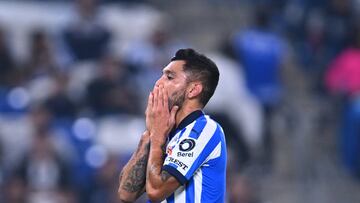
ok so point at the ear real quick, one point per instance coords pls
(194, 90)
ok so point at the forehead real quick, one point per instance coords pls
(175, 67)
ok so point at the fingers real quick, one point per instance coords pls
(150, 101)
(173, 114)
(165, 99)
(159, 99)
(156, 96)
(161, 96)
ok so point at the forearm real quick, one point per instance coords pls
(133, 176)
(157, 185)
(155, 162)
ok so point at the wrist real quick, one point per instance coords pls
(157, 144)
(145, 136)
(156, 136)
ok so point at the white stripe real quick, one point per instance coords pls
(198, 186)
(164, 201)
(179, 195)
(201, 142)
(215, 153)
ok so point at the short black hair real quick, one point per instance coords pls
(201, 68)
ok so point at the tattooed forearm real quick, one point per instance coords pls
(136, 179)
(165, 176)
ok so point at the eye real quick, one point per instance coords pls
(169, 77)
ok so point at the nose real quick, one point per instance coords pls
(159, 81)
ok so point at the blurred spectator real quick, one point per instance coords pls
(86, 38)
(113, 91)
(44, 172)
(343, 80)
(58, 103)
(343, 75)
(321, 30)
(350, 139)
(7, 63)
(262, 54)
(41, 60)
(40, 66)
(242, 123)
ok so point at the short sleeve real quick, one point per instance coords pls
(187, 153)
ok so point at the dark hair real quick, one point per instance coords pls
(201, 68)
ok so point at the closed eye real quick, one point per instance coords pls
(169, 77)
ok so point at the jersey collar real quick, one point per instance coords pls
(186, 121)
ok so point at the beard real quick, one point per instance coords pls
(177, 99)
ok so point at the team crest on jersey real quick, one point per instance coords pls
(169, 150)
(187, 145)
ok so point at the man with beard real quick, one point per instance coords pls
(181, 156)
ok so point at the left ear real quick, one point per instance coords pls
(195, 89)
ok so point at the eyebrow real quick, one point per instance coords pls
(169, 72)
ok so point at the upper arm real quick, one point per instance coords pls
(185, 156)
(195, 146)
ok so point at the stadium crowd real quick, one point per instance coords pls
(72, 100)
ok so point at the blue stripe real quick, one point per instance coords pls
(173, 165)
(198, 127)
(181, 134)
(170, 199)
(209, 147)
(190, 191)
(214, 183)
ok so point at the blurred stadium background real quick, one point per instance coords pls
(74, 77)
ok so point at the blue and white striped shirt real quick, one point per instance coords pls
(196, 157)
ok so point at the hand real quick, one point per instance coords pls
(159, 120)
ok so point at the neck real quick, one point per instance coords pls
(184, 111)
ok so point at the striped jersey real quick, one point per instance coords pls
(196, 157)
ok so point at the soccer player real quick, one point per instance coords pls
(181, 156)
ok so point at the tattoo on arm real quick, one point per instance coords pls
(165, 176)
(136, 179)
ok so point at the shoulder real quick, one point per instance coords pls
(210, 126)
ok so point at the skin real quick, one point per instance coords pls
(172, 99)
(132, 177)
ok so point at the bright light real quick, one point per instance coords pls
(18, 98)
(96, 156)
(84, 128)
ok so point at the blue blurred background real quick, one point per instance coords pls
(75, 75)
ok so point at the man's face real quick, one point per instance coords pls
(174, 82)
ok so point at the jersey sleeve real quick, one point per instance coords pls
(186, 155)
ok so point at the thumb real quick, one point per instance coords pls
(173, 114)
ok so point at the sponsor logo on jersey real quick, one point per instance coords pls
(185, 154)
(169, 150)
(187, 145)
(178, 163)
